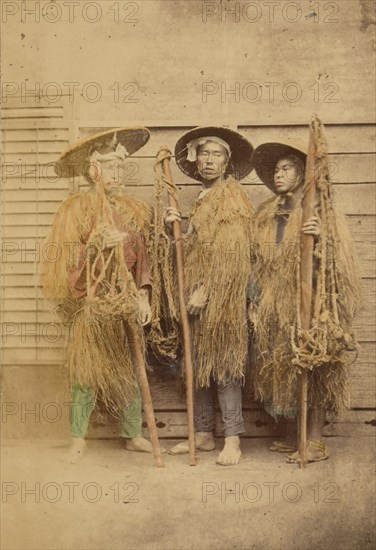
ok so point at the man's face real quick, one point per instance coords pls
(212, 160)
(285, 176)
(112, 172)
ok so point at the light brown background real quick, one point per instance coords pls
(169, 54)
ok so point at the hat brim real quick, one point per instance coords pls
(266, 156)
(241, 151)
(73, 162)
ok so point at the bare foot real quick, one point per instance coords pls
(204, 442)
(76, 450)
(140, 445)
(231, 452)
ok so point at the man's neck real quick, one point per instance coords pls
(293, 197)
(211, 183)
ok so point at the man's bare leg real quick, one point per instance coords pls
(230, 402)
(288, 444)
(316, 449)
(316, 423)
(231, 452)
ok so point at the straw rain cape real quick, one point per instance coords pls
(97, 289)
(217, 261)
(336, 298)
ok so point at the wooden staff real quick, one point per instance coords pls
(147, 403)
(177, 233)
(306, 273)
(134, 339)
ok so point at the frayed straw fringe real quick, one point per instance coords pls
(336, 299)
(217, 260)
(164, 336)
(73, 224)
(98, 348)
(99, 357)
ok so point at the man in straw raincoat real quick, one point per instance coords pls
(101, 280)
(275, 305)
(216, 277)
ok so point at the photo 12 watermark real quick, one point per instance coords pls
(53, 92)
(70, 11)
(50, 253)
(321, 91)
(53, 412)
(47, 173)
(69, 492)
(253, 492)
(275, 11)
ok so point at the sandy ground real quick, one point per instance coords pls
(115, 499)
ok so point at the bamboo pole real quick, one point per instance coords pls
(177, 233)
(306, 274)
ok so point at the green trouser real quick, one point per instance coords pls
(83, 404)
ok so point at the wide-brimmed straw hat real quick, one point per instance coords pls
(75, 160)
(241, 151)
(267, 155)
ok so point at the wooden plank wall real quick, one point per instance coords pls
(33, 336)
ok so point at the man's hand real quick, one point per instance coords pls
(196, 302)
(312, 226)
(145, 309)
(172, 215)
(112, 237)
(164, 147)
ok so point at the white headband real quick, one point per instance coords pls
(194, 143)
(119, 153)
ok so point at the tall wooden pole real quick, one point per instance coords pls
(138, 357)
(306, 274)
(178, 236)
